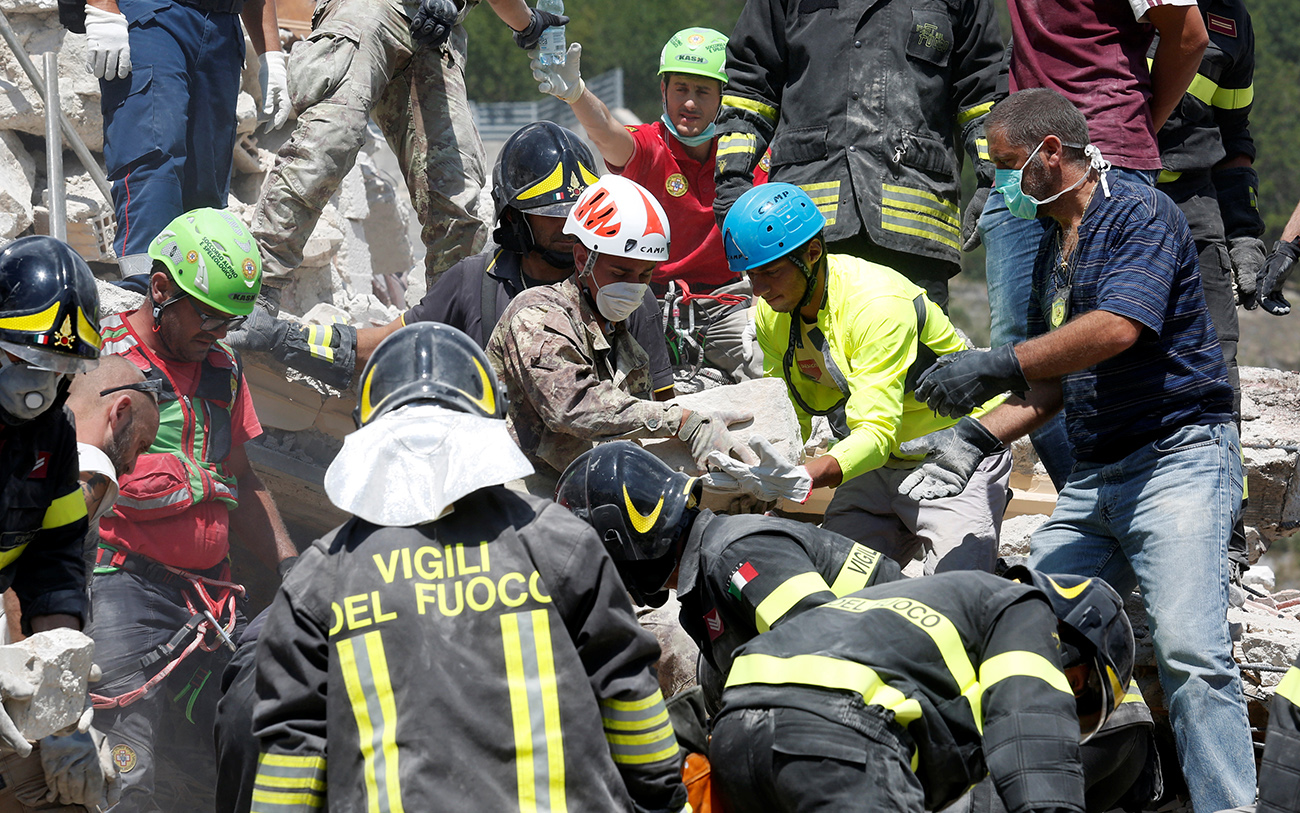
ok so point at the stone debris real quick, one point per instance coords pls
(57, 663)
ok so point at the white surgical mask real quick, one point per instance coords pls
(26, 391)
(619, 300)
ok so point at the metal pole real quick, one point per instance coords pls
(78, 146)
(54, 150)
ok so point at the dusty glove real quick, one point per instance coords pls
(707, 433)
(771, 478)
(273, 74)
(959, 382)
(1247, 254)
(540, 21)
(970, 219)
(79, 770)
(108, 48)
(324, 352)
(564, 82)
(432, 23)
(951, 456)
(11, 739)
(1274, 273)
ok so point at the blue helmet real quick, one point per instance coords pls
(767, 223)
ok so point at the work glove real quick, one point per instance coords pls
(951, 456)
(79, 770)
(1247, 254)
(1274, 273)
(108, 49)
(707, 433)
(770, 479)
(324, 352)
(540, 21)
(432, 24)
(959, 382)
(11, 739)
(273, 75)
(970, 219)
(564, 82)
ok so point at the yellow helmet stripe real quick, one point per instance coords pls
(548, 184)
(367, 408)
(88, 334)
(1070, 592)
(642, 523)
(488, 403)
(32, 322)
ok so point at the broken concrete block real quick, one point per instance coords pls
(17, 174)
(1016, 532)
(113, 299)
(57, 663)
(36, 25)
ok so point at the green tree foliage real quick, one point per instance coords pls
(613, 33)
(1273, 121)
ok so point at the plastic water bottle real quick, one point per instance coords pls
(553, 45)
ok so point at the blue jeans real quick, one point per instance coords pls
(1160, 519)
(1010, 246)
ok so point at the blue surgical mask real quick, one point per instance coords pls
(690, 141)
(1019, 202)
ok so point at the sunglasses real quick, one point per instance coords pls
(211, 324)
(149, 386)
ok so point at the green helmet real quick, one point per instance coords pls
(213, 258)
(700, 51)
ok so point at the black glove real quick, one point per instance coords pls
(959, 382)
(1274, 273)
(324, 352)
(1247, 255)
(541, 20)
(970, 220)
(951, 456)
(432, 24)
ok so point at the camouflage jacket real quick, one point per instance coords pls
(570, 383)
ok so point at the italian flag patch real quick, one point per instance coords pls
(743, 576)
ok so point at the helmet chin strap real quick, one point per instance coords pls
(809, 278)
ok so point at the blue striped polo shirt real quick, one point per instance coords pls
(1135, 258)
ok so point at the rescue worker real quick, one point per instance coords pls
(902, 695)
(735, 576)
(862, 104)
(540, 171)
(164, 604)
(436, 645)
(674, 158)
(575, 374)
(49, 331)
(848, 337)
(1279, 781)
(403, 64)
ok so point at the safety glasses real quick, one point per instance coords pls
(210, 323)
(150, 386)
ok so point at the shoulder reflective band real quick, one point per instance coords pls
(287, 783)
(790, 592)
(766, 111)
(370, 693)
(971, 113)
(1290, 686)
(65, 510)
(638, 731)
(823, 672)
(1022, 664)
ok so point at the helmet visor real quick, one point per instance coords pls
(49, 359)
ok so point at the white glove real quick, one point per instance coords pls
(11, 739)
(770, 479)
(748, 338)
(79, 770)
(273, 75)
(564, 82)
(108, 51)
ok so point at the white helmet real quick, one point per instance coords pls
(619, 217)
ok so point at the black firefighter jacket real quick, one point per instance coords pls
(864, 104)
(1279, 775)
(966, 662)
(489, 660)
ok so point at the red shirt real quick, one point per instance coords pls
(1093, 52)
(684, 187)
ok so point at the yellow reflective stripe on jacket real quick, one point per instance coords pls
(370, 692)
(287, 783)
(789, 593)
(767, 111)
(1023, 664)
(1133, 695)
(64, 510)
(534, 711)
(827, 673)
(319, 338)
(971, 113)
(638, 731)
(982, 148)
(940, 630)
(920, 214)
(731, 143)
(826, 197)
(856, 571)
(1290, 686)
(1168, 176)
(1208, 91)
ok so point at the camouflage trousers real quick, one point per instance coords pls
(360, 62)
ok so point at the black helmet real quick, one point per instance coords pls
(1093, 630)
(638, 506)
(49, 308)
(433, 362)
(542, 169)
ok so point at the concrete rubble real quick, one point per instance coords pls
(57, 664)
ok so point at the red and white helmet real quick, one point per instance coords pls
(619, 217)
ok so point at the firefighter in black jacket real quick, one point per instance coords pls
(1279, 775)
(474, 649)
(862, 103)
(900, 696)
(735, 576)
